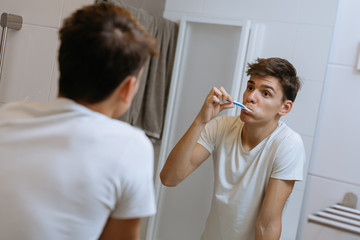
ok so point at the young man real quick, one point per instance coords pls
(257, 158)
(67, 169)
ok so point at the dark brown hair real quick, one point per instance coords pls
(101, 44)
(280, 68)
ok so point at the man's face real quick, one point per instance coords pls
(264, 96)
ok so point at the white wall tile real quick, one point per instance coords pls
(308, 141)
(279, 10)
(312, 50)
(54, 87)
(303, 116)
(71, 5)
(174, 16)
(291, 215)
(319, 232)
(190, 6)
(276, 43)
(312, 12)
(322, 193)
(346, 44)
(29, 59)
(37, 12)
(336, 154)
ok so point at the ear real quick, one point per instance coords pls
(286, 107)
(127, 89)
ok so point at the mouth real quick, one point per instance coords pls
(248, 109)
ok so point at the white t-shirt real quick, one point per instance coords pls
(64, 169)
(241, 178)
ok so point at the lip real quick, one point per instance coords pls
(246, 111)
(241, 105)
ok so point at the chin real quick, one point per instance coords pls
(244, 117)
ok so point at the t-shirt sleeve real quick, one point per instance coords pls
(290, 159)
(209, 134)
(136, 192)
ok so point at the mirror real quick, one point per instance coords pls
(290, 30)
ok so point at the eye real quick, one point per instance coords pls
(266, 94)
(250, 88)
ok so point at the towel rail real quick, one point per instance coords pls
(8, 21)
(338, 217)
(342, 216)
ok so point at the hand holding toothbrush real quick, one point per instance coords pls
(217, 100)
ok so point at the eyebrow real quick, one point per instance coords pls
(263, 86)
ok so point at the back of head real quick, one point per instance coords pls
(101, 45)
(280, 68)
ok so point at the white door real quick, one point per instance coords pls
(30, 61)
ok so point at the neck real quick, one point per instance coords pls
(105, 107)
(117, 103)
(99, 107)
(252, 135)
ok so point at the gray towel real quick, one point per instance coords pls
(149, 105)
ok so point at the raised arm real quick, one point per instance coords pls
(187, 154)
(268, 224)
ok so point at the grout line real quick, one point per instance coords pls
(38, 25)
(207, 14)
(333, 179)
(333, 64)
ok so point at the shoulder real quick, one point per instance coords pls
(226, 120)
(126, 145)
(223, 124)
(122, 130)
(16, 108)
(286, 141)
(285, 135)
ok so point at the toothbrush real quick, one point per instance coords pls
(240, 105)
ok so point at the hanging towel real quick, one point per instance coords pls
(148, 108)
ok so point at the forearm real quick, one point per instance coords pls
(178, 164)
(269, 231)
(187, 155)
(268, 224)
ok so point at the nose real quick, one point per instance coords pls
(251, 97)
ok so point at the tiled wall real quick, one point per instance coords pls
(299, 30)
(30, 68)
(335, 164)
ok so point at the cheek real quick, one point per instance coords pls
(273, 107)
(244, 97)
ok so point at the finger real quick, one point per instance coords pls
(215, 91)
(214, 99)
(225, 95)
(226, 106)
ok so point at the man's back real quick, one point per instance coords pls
(64, 169)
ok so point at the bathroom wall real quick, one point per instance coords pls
(299, 30)
(334, 168)
(30, 65)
